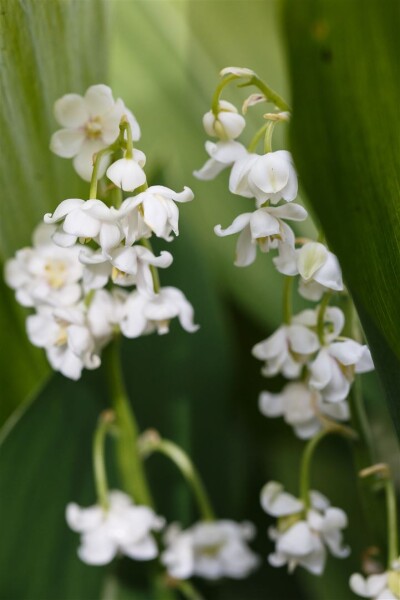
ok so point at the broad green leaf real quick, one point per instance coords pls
(344, 73)
(47, 50)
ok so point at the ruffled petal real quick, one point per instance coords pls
(278, 503)
(271, 405)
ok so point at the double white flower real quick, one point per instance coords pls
(91, 123)
(45, 273)
(265, 177)
(318, 268)
(210, 550)
(66, 336)
(227, 124)
(142, 314)
(303, 539)
(302, 408)
(263, 227)
(288, 349)
(122, 529)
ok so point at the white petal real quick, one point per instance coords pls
(126, 174)
(70, 111)
(310, 258)
(292, 212)
(65, 207)
(263, 224)
(83, 519)
(302, 340)
(67, 142)
(296, 541)
(246, 249)
(145, 549)
(98, 99)
(226, 152)
(277, 502)
(83, 161)
(270, 405)
(270, 173)
(368, 587)
(237, 225)
(321, 370)
(209, 170)
(330, 273)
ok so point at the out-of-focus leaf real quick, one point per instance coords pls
(46, 50)
(344, 71)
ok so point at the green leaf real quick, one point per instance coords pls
(46, 50)
(343, 59)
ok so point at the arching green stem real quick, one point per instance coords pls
(252, 147)
(215, 99)
(151, 442)
(308, 454)
(268, 136)
(268, 92)
(100, 475)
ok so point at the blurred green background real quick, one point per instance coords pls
(162, 57)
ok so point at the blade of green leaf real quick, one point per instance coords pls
(344, 71)
(46, 50)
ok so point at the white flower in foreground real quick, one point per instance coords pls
(385, 586)
(211, 550)
(228, 124)
(90, 219)
(222, 155)
(91, 123)
(318, 268)
(104, 314)
(45, 273)
(127, 173)
(302, 408)
(157, 205)
(333, 370)
(127, 265)
(268, 177)
(123, 529)
(65, 335)
(142, 315)
(288, 349)
(263, 227)
(302, 540)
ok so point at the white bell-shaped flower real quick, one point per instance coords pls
(303, 540)
(287, 350)
(127, 173)
(263, 227)
(383, 586)
(228, 124)
(124, 528)
(90, 219)
(210, 549)
(158, 208)
(222, 155)
(333, 370)
(270, 177)
(302, 408)
(91, 123)
(126, 265)
(65, 335)
(45, 273)
(143, 315)
(318, 268)
(104, 314)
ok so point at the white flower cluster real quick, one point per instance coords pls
(327, 365)
(209, 549)
(309, 349)
(303, 536)
(87, 251)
